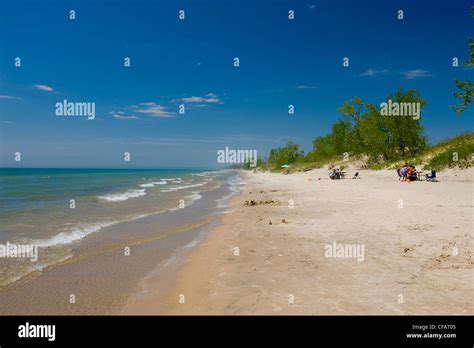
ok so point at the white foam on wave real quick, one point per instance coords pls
(40, 267)
(118, 197)
(177, 188)
(196, 195)
(77, 233)
(153, 183)
(206, 174)
(147, 185)
(234, 188)
(222, 202)
(192, 244)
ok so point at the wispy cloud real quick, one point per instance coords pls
(150, 109)
(416, 74)
(43, 88)
(8, 97)
(153, 109)
(311, 6)
(209, 98)
(124, 117)
(374, 72)
(305, 87)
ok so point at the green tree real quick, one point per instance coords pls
(362, 129)
(465, 88)
(375, 135)
(352, 111)
(464, 94)
(339, 137)
(322, 148)
(288, 154)
(405, 134)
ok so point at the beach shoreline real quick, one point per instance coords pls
(262, 250)
(105, 268)
(416, 238)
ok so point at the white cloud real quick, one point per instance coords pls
(8, 97)
(120, 116)
(373, 72)
(192, 99)
(415, 74)
(209, 98)
(305, 87)
(198, 106)
(152, 109)
(43, 88)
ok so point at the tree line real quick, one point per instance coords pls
(362, 129)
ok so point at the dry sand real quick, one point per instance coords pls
(416, 238)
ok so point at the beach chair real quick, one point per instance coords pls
(431, 177)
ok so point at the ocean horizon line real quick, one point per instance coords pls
(115, 168)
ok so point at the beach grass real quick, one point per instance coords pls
(451, 152)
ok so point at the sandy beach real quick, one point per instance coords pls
(270, 256)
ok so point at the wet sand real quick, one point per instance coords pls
(102, 275)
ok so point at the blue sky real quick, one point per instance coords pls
(190, 62)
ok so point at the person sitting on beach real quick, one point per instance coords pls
(402, 171)
(336, 174)
(411, 173)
